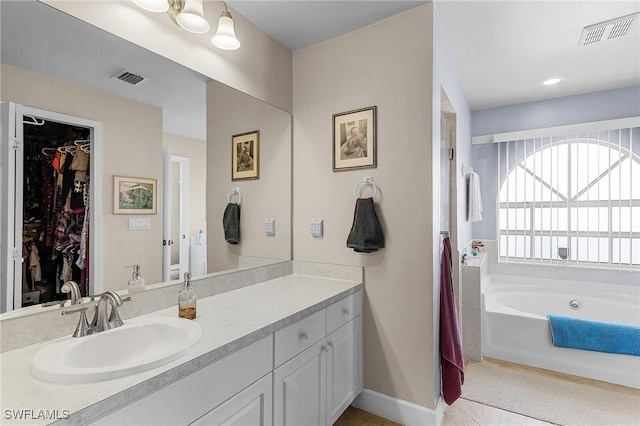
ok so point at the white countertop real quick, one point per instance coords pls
(229, 321)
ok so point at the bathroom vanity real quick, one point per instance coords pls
(283, 351)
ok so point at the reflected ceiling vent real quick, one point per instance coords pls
(614, 28)
(129, 77)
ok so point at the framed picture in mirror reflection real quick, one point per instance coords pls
(132, 195)
(245, 156)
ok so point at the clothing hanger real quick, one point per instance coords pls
(47, 150)
(30, 119)
(67, 150)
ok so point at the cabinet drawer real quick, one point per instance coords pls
(200, 391)
(298, 336)
(343, 311)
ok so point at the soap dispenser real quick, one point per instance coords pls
(136, 283)
(187, 299)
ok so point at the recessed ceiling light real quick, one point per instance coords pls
(552, 80)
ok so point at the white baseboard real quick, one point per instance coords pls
(398, 410)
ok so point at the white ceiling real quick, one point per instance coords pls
(502, 49)
(42, 39)
(300, 23)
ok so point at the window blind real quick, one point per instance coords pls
(571, 200)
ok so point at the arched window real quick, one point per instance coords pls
(572, 199)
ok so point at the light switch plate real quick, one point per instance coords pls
(316, 227)
(138, 224)
(270, 226)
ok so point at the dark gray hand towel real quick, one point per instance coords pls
(231, 223)
(366, 234)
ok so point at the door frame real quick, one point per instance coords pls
(184, 242)
(10, 188)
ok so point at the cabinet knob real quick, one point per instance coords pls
(304, 335)
(346, 311)
(324, 348)
(330, 343)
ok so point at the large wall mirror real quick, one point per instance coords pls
(173, 128)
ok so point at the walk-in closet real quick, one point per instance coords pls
(55, 233)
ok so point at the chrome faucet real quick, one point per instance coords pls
(68, 287)
(101, 321)
(103, 318)
(72, 288)
(464, 259)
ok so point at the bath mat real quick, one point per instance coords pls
(550, 399)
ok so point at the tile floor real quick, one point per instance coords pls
(462, 413)
(468, 413)
(620, 405)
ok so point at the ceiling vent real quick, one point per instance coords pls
(129, 77)
(614, 28)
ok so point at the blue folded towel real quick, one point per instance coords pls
(577, 333)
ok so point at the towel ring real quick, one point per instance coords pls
(234, 191)
(366, 181)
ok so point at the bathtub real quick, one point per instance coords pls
(515, 327)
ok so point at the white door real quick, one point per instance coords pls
(343, 370)
(253, 406)
(166, 213)
(175, 226)
(300, 389)
(10, 228)
(180, 232)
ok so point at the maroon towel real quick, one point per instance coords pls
(451, 360)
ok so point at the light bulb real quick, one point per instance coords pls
(225, 37)
(157, 6)
(191, 18)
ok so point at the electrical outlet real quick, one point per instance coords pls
(270, 226)
(316, 227)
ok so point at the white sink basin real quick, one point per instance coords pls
(138, 345)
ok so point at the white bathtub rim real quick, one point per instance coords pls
(497, 281)
(625, 371)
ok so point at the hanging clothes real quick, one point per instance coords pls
(68, 179)
(34, 263)
(48, 189)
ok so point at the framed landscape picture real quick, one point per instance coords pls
(132, 195)
(354, 139)
(245, 156)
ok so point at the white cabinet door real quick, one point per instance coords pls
(300, 389)
(344, 369)
(251, 407)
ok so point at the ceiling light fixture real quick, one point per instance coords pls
(552, 80)
(189, 15)
(157, 6)
(225, 38)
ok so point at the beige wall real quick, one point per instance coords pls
(196, 151)
(230, 112)
(261, 67)
(387, 64)
(132, 146)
